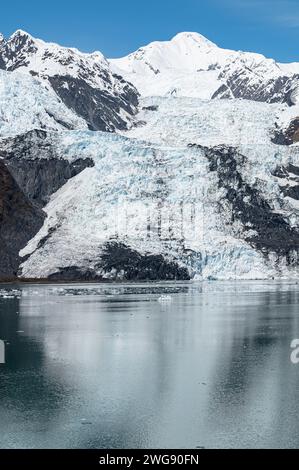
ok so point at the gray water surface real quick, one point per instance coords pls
(182, 365)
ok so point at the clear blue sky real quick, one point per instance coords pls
(117, 27)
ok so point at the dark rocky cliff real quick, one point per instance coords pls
(30, 172)
(20, 219)
(33, 161)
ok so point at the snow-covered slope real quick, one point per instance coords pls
(192, 66)
(180, 121)
(27, 104)
(215, 212)
(84, 82)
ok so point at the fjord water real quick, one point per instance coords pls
(185, 365)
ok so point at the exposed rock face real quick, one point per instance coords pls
(84, 82)
(101, 110)
(238, 85)
(272, 233)
(35, 143)
(118, 257)
(20, 220)
(2, 63)
(32, 160)
(30, 171)
(41, 178)
(75, 274)
(119, 261)
(289, 177)
(16, 51)
(287, 136)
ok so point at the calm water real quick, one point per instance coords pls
(102, 366)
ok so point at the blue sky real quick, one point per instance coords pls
(118, 27)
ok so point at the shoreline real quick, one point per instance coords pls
(123, 281)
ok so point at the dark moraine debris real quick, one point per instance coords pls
(121, 262)
(273, 233)
(73, 274)
(290, 174)
(38, 170)
(287, 136)
(140, 267)
(20, 220)
(151, 108)
(101, 110)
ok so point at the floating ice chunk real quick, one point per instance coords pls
(165, 299)
(10, 294)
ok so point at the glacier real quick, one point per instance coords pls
(26, 104)
(152, 190)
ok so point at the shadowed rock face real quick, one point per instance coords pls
(30, 172)
(238, 85)
(288, 136)
(20, 220)
(39, 179)
(119, 261)
(2, 63)
(289, 176)
(101, 110)
(39, 172)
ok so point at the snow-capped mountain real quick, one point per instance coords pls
(187, 186)
(192, 66)
(84, 82)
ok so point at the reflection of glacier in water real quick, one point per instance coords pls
(2, 352)
(97, 366)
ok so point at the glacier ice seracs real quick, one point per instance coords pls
(157, 194)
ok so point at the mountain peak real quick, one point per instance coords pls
(21, 39)
(19, 33)
(192, 37)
